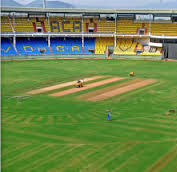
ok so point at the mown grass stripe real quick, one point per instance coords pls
(42, 135)
(80, 116)
(28, 119)
(18, 118)
(158, 121)
(160, 127)
(164, 118)
(60, 118)
(84, 117)
(56, 156)
(128, 160)
(14, 148)
(67, 159)
(22, 155)
(116, 154)
(71, 118)
(101, 159)
(44, 159)
(131, 93)
(50, 120)
(76, 162)
(84, 157)
(162, 161)
(170, 166)
(26, 156)
(145, 130)
(10, 117)
(153, 125)
(169, 117)
(90, 158)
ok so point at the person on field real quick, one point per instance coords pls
(109, 115)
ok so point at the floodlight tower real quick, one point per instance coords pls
(44, 3)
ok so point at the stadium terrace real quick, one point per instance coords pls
(35, 31)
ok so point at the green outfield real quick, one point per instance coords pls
(67, 134)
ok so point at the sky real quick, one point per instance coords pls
(109, 3)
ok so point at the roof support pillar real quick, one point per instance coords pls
(48, 20)
(83, 34)
(150, 28)
(13, 22)
(14, 42)
(44, 3)
(49, 41)
(115, 41)
(115, 33)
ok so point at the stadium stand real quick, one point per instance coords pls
(164, 29)
(89, 46)
(40, 23)
(58, 24)
(90, 25)
(153, 52)
(133, 47)
(125, 47)
(32, 46)
(106, 26)
(95, 25)
(130, 27)
(67, 33)
(102, 43)
(23, 24)
(66, 45)
(5, 24)
(7, 47)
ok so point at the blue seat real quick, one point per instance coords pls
(68, 43)
(32, 46)
(89, 43)
(7, 47)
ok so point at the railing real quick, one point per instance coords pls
(79, 34)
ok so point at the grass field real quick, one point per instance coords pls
(64, 134)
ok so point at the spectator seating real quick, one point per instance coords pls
(61, 45)
(102, 43)
(164, 29)
(131, 47)
(106, 26)
(100, 25)
(125, 47)
(153, 52)
(5, 25)
(23, 24)
(32, 46)
(66, 45)
(130, 27)
(72, 45)
(89, 44)
(7, 47)
(57, 21)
